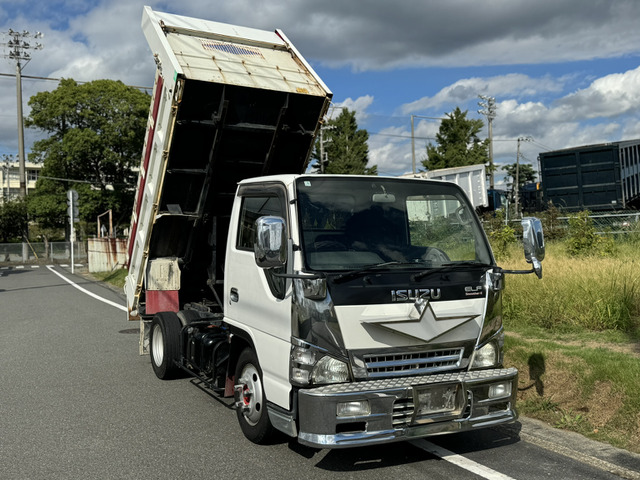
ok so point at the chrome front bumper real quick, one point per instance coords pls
(395, 408)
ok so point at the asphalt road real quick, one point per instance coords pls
(78, 402)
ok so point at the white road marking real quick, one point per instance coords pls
(459, 460)
(83, 290)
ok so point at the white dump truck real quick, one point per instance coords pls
(341, 310)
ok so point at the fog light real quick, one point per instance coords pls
(498, 390)
(353, 409)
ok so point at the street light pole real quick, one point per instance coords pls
(19, 51)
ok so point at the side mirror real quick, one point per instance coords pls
(270, 245)
(533, 242)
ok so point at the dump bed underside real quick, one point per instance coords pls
(222, 135)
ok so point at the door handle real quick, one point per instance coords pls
(234, 296)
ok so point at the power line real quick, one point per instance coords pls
(85, 181)
(399, 136)
(60, 79)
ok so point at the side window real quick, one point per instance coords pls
(252, 209)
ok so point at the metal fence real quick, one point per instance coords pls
(33, 252)
(618, 223)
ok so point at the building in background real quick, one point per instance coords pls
(10, 179)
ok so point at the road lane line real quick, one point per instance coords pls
(459, 460)
(83, 290)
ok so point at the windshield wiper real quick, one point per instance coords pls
(447, 267)
(342, 277)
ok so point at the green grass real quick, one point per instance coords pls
(588, 389)
(575, 294)
(115, 277)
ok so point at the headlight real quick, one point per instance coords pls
(330, 370)
(309, 365)
(486, 356)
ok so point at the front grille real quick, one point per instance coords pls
(412, 363)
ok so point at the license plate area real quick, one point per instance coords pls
(438, 402)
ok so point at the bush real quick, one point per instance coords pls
(583, 239)
(501, 239)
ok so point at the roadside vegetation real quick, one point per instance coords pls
(575, 335)
(115, 277)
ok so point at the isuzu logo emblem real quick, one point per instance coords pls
(413, 294)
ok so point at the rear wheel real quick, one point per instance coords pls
(164, 344)
(251, 402)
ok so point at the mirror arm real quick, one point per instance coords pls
(515, 272)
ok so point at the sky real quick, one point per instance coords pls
(563, 73)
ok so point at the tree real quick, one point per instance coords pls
(96, 136)
(345, 147)
(526, 174)
(13, 220)
(458, 143)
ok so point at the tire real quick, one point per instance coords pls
(164, 345)
(251, 402)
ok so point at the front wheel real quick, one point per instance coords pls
(250, 399)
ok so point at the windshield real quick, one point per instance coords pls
(355, 222)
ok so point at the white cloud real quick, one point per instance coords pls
(513, 84)
(609, 96)
(359, 105)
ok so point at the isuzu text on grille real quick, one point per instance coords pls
(415, 293)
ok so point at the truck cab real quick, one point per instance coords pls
(381, 299)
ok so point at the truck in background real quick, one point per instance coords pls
(341, 310)
(602, 177)
(473, 180)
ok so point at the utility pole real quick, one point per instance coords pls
(322, 142)
(489, 110)
(19, 52)
(516, 189)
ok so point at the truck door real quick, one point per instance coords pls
(257, 301)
